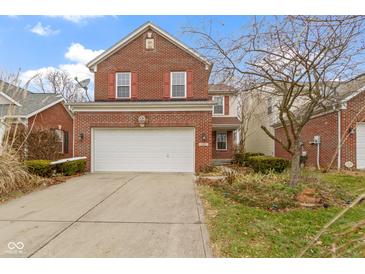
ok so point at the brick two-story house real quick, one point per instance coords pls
(152, 110)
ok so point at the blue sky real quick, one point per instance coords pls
(36, 43)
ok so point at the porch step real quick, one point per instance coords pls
(219, 162)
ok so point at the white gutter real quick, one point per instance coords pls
(142, 106)
(225, 126)
(10, 99)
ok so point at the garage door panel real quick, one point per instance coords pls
(170, 150)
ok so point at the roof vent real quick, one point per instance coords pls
(150, 41)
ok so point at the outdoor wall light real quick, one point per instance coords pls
(204, 137)
(81, 136)
(351, 130)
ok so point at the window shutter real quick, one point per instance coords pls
(134, 85)
(111, 85)
(65, 142)
(166, 88)
(226, 105)
(189, 90)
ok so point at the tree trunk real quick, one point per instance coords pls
(241, 145)
(295, 165)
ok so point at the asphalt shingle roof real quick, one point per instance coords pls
(29, 101)
(220, 89)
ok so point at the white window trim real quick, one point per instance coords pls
(185, 89)
(218, 114)
(216, 140)
(116, 85)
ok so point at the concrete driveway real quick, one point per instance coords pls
(107, 215)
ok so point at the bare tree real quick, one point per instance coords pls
(298, 60)
(60, 82)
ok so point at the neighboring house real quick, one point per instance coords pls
(36, 110)
(152, 110)
(342, 120)
(225, 122)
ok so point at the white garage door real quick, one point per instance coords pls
(360, 145)
(161, 150)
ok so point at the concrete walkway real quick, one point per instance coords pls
(107, 215)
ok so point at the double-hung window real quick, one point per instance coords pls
(218, 105)
(123, 84)
(60, 135)
(221, 141)
(178, 84)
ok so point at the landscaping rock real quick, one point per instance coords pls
(307, 198)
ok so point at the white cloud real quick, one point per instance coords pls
(79, 54)
(43, 30)
(76, 18)
(74, 70)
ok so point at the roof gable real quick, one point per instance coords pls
(139, 31)
(27, 103)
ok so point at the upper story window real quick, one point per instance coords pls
(218, 105)
(269, 105)
(178, 84)
(123, 84)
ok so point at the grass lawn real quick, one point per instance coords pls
(243, 225)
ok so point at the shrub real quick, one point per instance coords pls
(39, 167)
(241, 158)
(264, 164)
(71, 167)
(40, 143)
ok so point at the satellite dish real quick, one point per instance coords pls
(83, 84)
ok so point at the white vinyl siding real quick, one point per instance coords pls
(150, 150)
(178, 84)
(123, 84)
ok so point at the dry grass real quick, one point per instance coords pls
(272, 191)
(14, 176)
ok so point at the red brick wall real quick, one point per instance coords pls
(150, 67)
(51, 118)
(349, 117)
(326, 127)
(223, 154)
(201, 121)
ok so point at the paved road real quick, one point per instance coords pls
(107, 215)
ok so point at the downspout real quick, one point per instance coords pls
(318, 151)
(339, 139)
